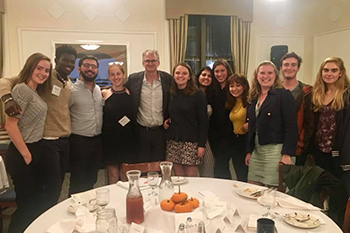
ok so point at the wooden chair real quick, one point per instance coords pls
(346, 223)
(143, 167)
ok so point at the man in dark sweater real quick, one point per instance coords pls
(290, 65)
(149, 90)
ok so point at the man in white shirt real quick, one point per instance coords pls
(149, 91)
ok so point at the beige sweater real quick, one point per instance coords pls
(58, 122)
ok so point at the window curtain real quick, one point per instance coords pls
(240, 42)
(2, 112)
(178, 39)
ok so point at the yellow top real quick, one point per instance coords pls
(238, 117)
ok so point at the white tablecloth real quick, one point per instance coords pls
(157, 220)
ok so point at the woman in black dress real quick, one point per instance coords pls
(118, 124)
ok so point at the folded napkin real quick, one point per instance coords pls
(293, 203)
(142, 184)
(84, 223)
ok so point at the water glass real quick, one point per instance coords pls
(152, 180)
(102, 197)
(269, 200)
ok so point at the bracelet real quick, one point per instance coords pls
(8, 100)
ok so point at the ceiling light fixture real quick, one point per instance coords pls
(90, 46)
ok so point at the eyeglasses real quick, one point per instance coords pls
(150, 61)
(87, 65)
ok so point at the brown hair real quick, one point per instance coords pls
(26, 73)
(239, 79)
(190, 88)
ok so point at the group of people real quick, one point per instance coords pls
(199, 123)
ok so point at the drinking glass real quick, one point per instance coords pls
(269, 200)
(152, 180)
(102, 197)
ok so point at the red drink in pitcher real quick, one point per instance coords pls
(134, 210)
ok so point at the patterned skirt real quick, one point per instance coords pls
(182, 152)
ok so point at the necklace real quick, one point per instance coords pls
(118, 92)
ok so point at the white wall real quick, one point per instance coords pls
(30, 27)
(308, 27)
(304, 25)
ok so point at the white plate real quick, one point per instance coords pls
(178, 180)
(291, 219)
(247, 191)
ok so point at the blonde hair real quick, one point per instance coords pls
(255, 91)
(320, 87)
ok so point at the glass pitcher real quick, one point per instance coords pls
(134, 201)
(166, 187)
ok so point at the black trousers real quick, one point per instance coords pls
(233, 147)
(151, 144)
(55, 161)
(28, 183)
(84, 162)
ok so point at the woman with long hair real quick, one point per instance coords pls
(204, 79)
(330, 102)
(237, 104)
(272, 130)
(188, 123)
(26, 149)
(118, 124)
(220, 126)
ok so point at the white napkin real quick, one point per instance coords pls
(84, 223)
(4, 182)
(125, 185)
(293, 203)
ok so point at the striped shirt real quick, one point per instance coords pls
(32, 118)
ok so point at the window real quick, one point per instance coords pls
(208, 39)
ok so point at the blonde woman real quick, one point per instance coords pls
(330, 102)
(26, 148)
(118, 124)
(272, 129)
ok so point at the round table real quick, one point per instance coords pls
(157, 220)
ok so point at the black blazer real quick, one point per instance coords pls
(134, 84)
(276, 122)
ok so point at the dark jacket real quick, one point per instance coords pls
(342, 138)
(134, 84)
(276, 122)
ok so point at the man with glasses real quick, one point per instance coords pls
(86, 104)
(57, 125)
(149, 90)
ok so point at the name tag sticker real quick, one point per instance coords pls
(124, 120)
(56, 90)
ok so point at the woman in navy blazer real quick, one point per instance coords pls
(272, 132)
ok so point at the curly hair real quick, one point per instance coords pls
(65, 49)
